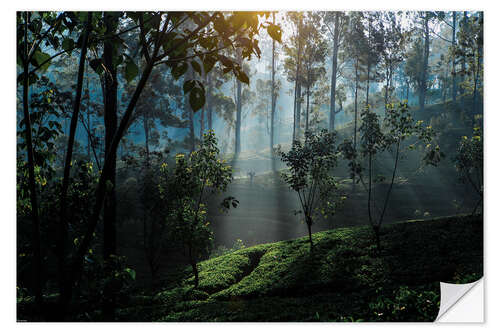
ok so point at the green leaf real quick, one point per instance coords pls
(39, 58)
(274, 31)
(208, 63)
(226, 61)
(131, 70)
(68, 44)
(196, 66)
(241, 75)
(130, 272)
(188, 85)
(197, 97)
(179, 70)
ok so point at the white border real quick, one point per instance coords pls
(7, 166)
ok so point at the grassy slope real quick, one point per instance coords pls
(342, 280)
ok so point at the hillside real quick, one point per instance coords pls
(342, 280)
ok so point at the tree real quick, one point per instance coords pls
(313, 57)
(393, 46)
(470, 52)
(339, 25)
(373, 48)
(184, 192)
(293, 67)
(356, 43)
(398, 127)
(469, 162)
(274, 97)
(310, 164)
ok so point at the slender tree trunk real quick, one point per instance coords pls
(309, 231)
(110, 123)
(209, 101)
(63, 223)
(87, 97)
(237, 129)
(36, 246)
(189, 111)
(273, 105)
(299, 109)
(307, 107)
(462, 72)
(477, 71)
(453, 45)
(369, 64)
(355, 111)
(368, 85)
(295, 111)
(333, 86)
(423, 82)
(202, 122)
(298, 85)
(386, 93)
(407, 90)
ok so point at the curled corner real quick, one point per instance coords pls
(461, 302)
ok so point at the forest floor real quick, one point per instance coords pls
(342, 279)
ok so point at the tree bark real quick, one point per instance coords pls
(355, 111)
(423, 81)
(209, 101)
(307, 107)
(453, 45)
(273, 105)
(110, 94)
(37, 258)
(333, 85)
(237, 129)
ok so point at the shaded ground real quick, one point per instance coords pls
(342, 280)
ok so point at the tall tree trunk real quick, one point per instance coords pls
(202, 122)
(298, 90)
(386, 92)
(237, 129)
(299, 108)
(110, 124)
(307, 106)
(273, 105)
(355, 111)
(407, 90)
(333, 86)
(368, 64)
(368, 85)
(36, 246)
(295, 111)
(453, 45)
(187, 107)
(423, 81)
(87, 97)
(477, 72)
(462, 71)
(209, 101)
